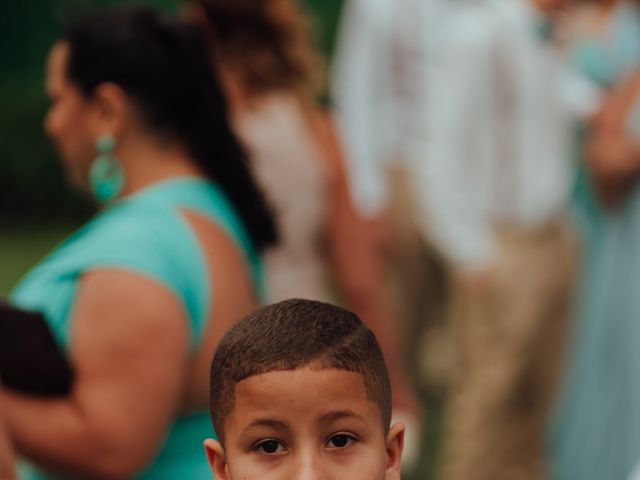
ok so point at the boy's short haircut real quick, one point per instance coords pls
(294, 334)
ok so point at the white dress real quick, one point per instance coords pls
(289, 166)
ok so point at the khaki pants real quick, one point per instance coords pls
(510, 335)
(419, 285)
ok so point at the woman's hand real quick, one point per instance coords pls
(613, 154)
(614, 162)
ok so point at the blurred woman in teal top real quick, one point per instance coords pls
(139, 297)
(596, 431)
(604, 44)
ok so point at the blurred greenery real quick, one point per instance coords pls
(326, 14)
(21, 247)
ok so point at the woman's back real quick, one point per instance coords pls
(288, 163)
(181, 234)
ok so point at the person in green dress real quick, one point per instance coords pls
(595, 431)
(139, 297)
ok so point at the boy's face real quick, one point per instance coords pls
(305, 424)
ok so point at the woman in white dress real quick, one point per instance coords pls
(264, 51)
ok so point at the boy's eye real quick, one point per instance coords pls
(340, 441)
(270, 447)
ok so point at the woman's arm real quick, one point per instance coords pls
(129, 348)
(7, 456)
(613, 148)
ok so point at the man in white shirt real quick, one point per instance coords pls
(376, 83)
(492, 172)
(378, 87)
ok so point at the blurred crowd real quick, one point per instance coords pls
(496, 143)
(469, 190)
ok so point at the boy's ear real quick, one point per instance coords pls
(395, 444)
(217, 459)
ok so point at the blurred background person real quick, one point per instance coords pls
(264, 49)
(139, 297)
(600, 36)
(378, 87)
(377, 90)
(601, 389)
(602, 40)
(493, 185)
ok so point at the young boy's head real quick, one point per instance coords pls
(299, 389)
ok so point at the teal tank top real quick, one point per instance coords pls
(145, 233)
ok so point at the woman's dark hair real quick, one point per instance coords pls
(164, 67)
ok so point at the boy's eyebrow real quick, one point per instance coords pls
(339, 414)
(267, 422)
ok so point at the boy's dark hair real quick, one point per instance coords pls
(290, 335)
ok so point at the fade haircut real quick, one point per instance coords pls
(294, 334)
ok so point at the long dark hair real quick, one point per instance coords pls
(163, 65)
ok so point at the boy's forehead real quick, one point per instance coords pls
(309, 394)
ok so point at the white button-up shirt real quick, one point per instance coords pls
(496, 143)
(377, 86)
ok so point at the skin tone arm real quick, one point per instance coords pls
(129, 347)
(7, 456)
(613, 155)
(357, 249)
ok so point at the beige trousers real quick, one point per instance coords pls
(510, 336)
(418, 281)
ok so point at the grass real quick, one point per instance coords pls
(21, 247)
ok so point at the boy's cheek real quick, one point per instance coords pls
(362, 466)
(247, 467)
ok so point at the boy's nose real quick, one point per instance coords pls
(309, 466)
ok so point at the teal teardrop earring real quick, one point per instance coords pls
(106, 174)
